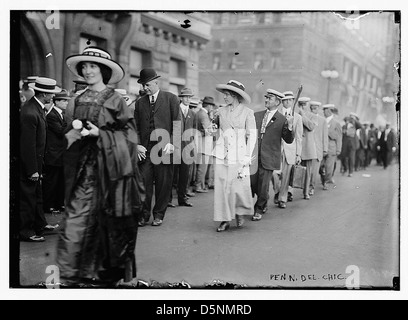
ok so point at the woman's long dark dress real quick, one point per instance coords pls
(103, 192)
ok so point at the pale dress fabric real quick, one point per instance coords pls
(238, 134)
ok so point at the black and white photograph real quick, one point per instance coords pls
(204, 149)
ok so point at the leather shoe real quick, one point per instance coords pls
(240, 221)
(282, 205)
(201, 191)
(224, 226)
(170, 205)
(311, 192)
(50, 227)
(257, 216)
(306, 197)
(185, 204)
(157, 222)
(190, 194)
(141, 223)
(34, 238)
(290, 197)
(276, 199)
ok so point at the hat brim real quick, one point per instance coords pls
(186, 95)
(56, 90)
(117, 71)
(243, 94)
(287, 98)
(143, 81)
(62, 98)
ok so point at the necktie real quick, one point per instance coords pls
(152, 102)
(264, 122)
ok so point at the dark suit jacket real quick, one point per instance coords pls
(167, 116)
(55, 139)
(269, 147)
(33, 128)
(186, 143)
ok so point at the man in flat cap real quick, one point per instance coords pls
(157, 114)
(272, 128)
(335, 143)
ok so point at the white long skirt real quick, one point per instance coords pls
(232, 196)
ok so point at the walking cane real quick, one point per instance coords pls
(300, 89)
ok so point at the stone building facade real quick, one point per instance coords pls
(283, 50)
(134, 39)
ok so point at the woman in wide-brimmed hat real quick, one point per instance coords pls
(233, 152)
(102, 191)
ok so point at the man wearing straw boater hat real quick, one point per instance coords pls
(158, 112)
(291, 152)
(184, 155)
(53, 184)
(32, 148)
(335, 142)
(321, 142)
(272, 128)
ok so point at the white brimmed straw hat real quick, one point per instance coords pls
(94, 54)
(288, 95)
(45, 85)
(236, 87)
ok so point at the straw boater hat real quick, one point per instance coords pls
(288, 95)
(147, 75)
(275, 93)
(46, 85)
(328, 106)
(304, 100)
(94, 54)
(236, 87)
(186, 92)
(315, 103)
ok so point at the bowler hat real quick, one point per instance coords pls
(208, 100)
(63, 95)
(147, 75)
(45, 85)
(98, 55)
(186, 92)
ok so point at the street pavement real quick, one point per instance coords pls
(348, 235)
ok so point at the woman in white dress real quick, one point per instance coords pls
(233, 153)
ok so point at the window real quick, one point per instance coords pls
(259, 61)
(218, 18)
(260, 17)
(277, 17)
(90, 41)
(355, 75)
(346, 69)
(275, 60)
(138, 59)
(368, 81)
(233, 18)
(216, 65)
(232, 61)
(177, 73)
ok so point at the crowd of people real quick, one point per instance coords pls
(110, 164)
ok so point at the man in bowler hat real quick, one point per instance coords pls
(158, 120)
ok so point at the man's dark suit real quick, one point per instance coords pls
(53, 184)
(33, 129)
(268, 152)
(386, 144)
(186, 152)
(164, 115)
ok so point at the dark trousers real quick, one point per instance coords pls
(385, 156)
(349, 158)
(160, 178)
(182, 177)
(32, 220)
(260, 182)
(53, 187)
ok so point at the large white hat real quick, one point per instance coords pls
(45, 85)
(236, 87)
(94, 54)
